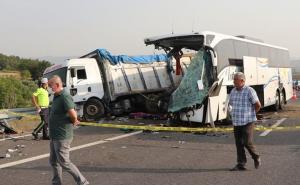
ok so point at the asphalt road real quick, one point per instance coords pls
(158, 158)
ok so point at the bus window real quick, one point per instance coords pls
(274, 57)
(224, 50)
(264, 52)
(241, 49)
(253, 50)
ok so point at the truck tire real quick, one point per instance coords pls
(93, 110)
(276, 106)
(151, 103)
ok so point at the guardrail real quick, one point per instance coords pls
(8, 114)
(23, 110)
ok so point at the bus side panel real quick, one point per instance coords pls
(271, 86)
(223, 101)
(262, 71)
(285, 75)
(250, 70)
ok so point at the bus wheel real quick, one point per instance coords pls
(93, 110)
(276, 106)
(282, 100)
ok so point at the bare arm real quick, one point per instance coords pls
(257, 106)
(73, 115)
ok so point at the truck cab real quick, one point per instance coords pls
(81, 78)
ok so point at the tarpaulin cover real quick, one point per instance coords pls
(115, 59)
(188, 94)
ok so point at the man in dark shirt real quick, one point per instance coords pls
(62, 118)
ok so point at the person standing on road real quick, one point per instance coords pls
(62, 119)
(40, 99)
(244, 105)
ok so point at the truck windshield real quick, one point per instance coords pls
(61, 72)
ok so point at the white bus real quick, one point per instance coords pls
(266, 67)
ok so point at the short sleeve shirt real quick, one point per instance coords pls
(42, 97)
(242, 103)
(60, 126)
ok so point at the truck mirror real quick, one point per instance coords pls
(72, 72)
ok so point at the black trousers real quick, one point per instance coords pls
(44, 114)
(244, 139)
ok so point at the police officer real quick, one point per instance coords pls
(40, 99)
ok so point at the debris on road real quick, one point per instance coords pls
(126, 130)
(7, 155)
(11, 152)
(142, 115)
(122, 119)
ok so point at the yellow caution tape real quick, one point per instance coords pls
(179, 129)
(161, 128)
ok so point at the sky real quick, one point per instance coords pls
(58, 28)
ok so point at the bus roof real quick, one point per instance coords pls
(196, 40)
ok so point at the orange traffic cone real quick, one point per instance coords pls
(294, 97)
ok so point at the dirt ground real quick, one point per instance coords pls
(25, 125)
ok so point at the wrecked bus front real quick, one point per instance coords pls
(200, 75)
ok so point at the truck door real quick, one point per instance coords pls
(85, 82)
(78, 81)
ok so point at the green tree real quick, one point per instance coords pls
(15, 63)
(15, 93)
(25, 74)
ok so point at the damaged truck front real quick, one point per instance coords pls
(103, 84)
(202, 95)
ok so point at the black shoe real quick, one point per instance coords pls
(238, 168)
(257, 163)
(35, 136)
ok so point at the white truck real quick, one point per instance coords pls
(266, 67)
(102, 84)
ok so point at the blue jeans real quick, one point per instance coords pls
(60, 159)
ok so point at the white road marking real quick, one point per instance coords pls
(9, 138)
(72, 149)
(273, 126)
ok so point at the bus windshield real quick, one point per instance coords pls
(61, 72)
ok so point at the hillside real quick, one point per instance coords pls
(17, 80)
(28, 68)
(13, 74)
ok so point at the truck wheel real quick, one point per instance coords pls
(151, 103)
(93, 110)
(276, 106)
